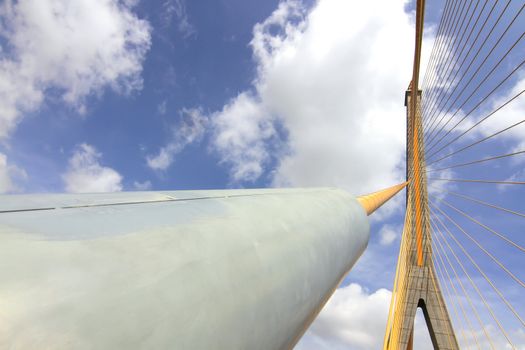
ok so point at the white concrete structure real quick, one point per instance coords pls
(240, 269)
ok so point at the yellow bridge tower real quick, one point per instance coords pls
(416, 284)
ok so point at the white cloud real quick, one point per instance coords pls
(354, 319)
(85, 174)
(70, 49)
(437, 189)
(338, 99)
(518, 176)
(162, 107)
(451, 117)
(5, 178)
(439, 74)
(142, 186)
(467, 132)
(190, 130)
(389, 233)
(242, 134)
(508, 115)
(177, 9)
(10, 176)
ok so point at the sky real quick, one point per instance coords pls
(109, 95)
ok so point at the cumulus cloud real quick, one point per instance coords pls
(69, 49)
(10, 176)
(338, 100)
(86, 174)
(243, 133)
(191, 129)
(355, 319)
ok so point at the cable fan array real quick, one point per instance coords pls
(473, 110)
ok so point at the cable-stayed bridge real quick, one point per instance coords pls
(251, 269)
(461, 253)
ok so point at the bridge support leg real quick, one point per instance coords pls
(424, 292)
(410, 345)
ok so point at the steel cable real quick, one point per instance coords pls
(440, 251)
(492, 257)
(432, 113)
(455, 58)
(431, 146)
(431, 103)
(484, 203)
(443, 37)
(476, 288)
(437, 41)
(479, 141)
(509, 241)
(478, 161)
(483, 274)
(480, 181)
(439, 272)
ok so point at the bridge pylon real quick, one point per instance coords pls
(416, 284)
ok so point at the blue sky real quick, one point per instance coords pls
(111, 95)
